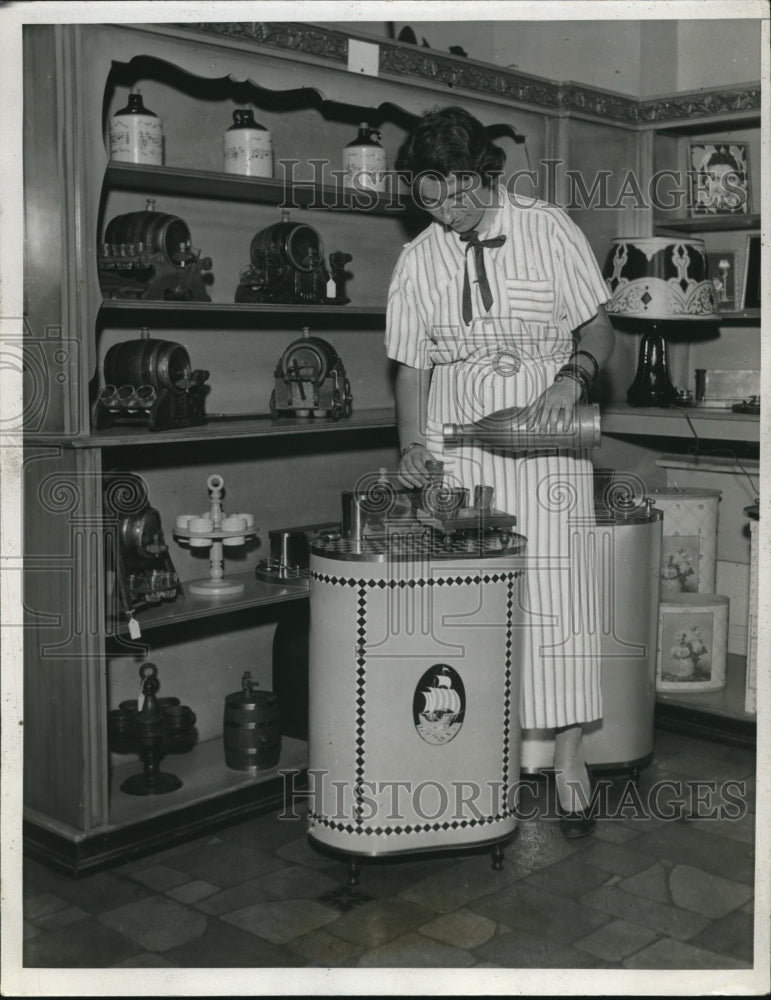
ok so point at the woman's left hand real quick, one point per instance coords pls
(552, 412)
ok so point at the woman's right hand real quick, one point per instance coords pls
(412, 470)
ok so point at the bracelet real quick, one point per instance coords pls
(561, 376)
(576, 372)
(414, 444)
(592, 358)
(578, 375)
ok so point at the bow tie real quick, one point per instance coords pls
(472, 240)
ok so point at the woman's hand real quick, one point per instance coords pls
(553, 411)
(412, 469)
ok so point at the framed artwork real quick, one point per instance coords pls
(721, 269)
(720, 177)
(751, 292)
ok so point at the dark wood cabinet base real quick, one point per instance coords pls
(103, 850)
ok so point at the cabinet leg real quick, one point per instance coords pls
(498, 857)
(354, 872)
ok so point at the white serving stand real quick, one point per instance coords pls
(214, 530)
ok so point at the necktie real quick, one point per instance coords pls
(472, 240)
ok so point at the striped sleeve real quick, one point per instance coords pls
(581, 289)
(406, 339)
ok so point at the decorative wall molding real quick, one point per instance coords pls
(399, 59)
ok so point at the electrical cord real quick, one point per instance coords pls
(726, 452)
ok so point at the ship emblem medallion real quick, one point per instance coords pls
(439, 704)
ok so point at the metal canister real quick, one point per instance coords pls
(506, 429)
(627, 542)
(251, 728)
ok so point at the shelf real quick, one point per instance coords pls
(709, 224)
(189, 607)
(742, 316)
(726, 122)
(712, 714)
(230, 311)
(204, 775)
(721, 425)
(223, 429)
(181, 181)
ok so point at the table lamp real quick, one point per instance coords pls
(657, 279)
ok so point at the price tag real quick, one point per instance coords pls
(134, 630)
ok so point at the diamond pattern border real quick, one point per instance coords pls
(388, 831)
(363, 587)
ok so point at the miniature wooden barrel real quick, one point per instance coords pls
(158, 232)
(288, 243)
(162, 364)
(252, 731)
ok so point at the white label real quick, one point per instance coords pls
(248, 152)
(136, 139)
(363, 165)
(363, 57)
(134, 630)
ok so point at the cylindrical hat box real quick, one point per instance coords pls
(691, 652)
(251, 729)
(689, 545)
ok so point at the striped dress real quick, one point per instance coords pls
(545, 283)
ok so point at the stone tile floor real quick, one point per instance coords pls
(643, 892)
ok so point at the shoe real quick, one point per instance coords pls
(575, 824)
(579, 823)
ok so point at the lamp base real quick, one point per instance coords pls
(651, 386)
(661, 399)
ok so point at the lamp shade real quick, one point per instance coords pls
(659, 277)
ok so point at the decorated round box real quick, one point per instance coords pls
(689, 545)
(691, 653)
(414, 695)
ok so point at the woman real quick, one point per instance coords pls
(475, 329)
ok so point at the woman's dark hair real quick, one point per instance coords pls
(448, 141)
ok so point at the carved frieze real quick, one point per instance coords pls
(398, 59)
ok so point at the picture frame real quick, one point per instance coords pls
(719, 174)
(751, 284)
(722, 269)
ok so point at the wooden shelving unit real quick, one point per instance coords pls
(721, 425)
(225, 429)
(75, 76)
(710, 223)
(189, 607)
(289, 193)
